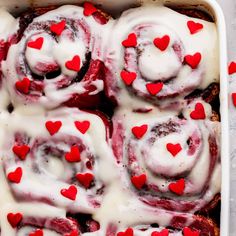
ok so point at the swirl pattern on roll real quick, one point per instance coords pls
(154, 56)
(59, 162)
(141, 155)
(171, 163)
(56, 59)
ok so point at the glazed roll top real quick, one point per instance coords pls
(160, 55)
(170, 162)
(58, 159)
(58, 58)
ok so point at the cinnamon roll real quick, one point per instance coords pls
(171, 162)
(160, 56)
(57, 159)
(57, 57)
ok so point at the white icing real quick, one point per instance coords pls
(26, 230)
(149, 22)
(119, 204)
(56, 52)
(191, 106)
(7, 27)
(158, 160)
(158, 69)
(8, 24)
(44, 55)
(64, 50)
(34, 182)
(52, 179)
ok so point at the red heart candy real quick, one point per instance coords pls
(85, 179)
(162, 43)
(164, 232)
(14, 219)
(154, 88)
(38, 232)
(23, 86)
(128, 232)
(174, 149)
(131, 41)
(69, 193)
(73, 233)
(139, 131)
(53, 126)
(139, 181)
(128, 77)
(74, 64)
(82, 126)
(232, 68)
(177, 187)
(188, 232)
(89, 9)
(21, 151)
(194, 27)
(234, 98)
(193, 60)
(15, 176)
(73, 155)
(198, 113)
(36, 44)
(58, 27)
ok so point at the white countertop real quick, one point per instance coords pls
(229, 8)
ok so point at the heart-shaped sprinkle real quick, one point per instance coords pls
(154, 88)
(128, 77)
(162, 43)
(234, 98)
(53, 126)
(74, 64)
(89, 9)
(85, 179)
(73, 233)
(23, 86)
(38, 232)
(177, 187)
(174, 149)
(164, 232)
(69, 193)
(232, 68)
(198, 113)
(58, 27)
(14, 219)
(194, 27)
(128, 232)
(82, 126)
(131, 41)
(21, 151)
(139, 131)
(36, 44)
(188, 232)
(73, 155)
(15, 176)
(139, 180)
(193, 60)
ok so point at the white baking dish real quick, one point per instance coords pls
(211, 7)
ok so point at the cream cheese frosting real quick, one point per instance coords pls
(153, 65)
(111, 199)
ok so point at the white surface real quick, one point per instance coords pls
(229, 8)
